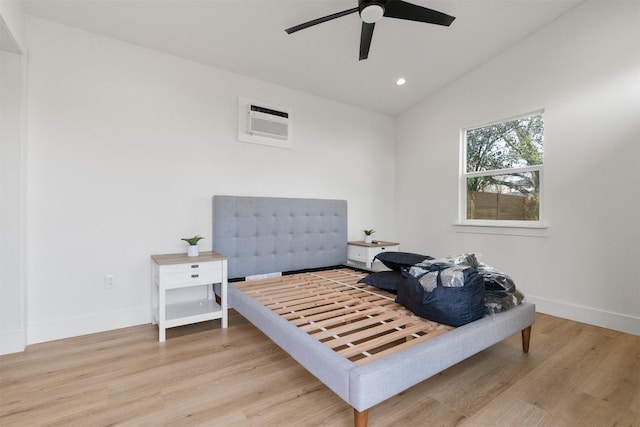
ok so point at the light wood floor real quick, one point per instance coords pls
(574, 375)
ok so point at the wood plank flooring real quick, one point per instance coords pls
(574, 375)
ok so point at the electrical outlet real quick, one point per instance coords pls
(109, 281)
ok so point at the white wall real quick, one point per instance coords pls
(12, 307)
(127, 146)
(12, 14)
(584, 70)
(12, 179)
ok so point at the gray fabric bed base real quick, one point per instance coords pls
(367, 385)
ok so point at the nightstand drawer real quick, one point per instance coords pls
(376, 251)
(190, 267)
(357, 253)
(191, 278)
(366, 254)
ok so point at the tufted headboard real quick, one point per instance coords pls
(262, 235)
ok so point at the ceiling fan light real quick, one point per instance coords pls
(372, 13)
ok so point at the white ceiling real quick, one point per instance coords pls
(247, 37)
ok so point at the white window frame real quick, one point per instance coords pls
(462, 203)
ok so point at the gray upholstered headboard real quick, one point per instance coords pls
(262, 235)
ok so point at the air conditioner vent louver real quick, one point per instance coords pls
(268, 122)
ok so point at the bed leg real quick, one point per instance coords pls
(360, 419)
(526, 337)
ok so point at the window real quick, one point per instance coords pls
(501, 183)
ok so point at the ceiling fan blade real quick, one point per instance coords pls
(365, 39)
(320, 20)
(411, 12)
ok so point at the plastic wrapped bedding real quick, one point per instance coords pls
(456, 290)
(496, 304)
(500, 290)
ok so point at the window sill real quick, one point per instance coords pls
(504, 230)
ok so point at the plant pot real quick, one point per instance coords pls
(192, 250)
(367, 239)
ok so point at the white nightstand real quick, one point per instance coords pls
(364, 252)
(175, 271)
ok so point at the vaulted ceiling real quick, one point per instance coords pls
(247, 37)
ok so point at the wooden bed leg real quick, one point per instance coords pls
(360, 419)
(526, 337)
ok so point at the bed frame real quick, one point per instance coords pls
(265, 235)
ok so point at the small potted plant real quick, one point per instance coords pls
(192, 249)
(367, 234)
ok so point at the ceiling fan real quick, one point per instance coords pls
(371, 11)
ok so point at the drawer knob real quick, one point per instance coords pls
(194, 266)
(195, 276)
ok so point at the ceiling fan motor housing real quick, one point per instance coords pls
(371, 10)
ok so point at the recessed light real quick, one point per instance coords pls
(401, 81)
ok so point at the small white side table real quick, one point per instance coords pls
(175, 271)
(364, 252)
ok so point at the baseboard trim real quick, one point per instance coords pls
(12, 342)
(73, 327)
(606, 319)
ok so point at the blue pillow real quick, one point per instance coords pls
(396, 260)
(387, 280)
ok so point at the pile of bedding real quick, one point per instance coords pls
(451, 290)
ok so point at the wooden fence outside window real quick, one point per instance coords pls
(496, 206)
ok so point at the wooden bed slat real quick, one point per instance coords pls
(309, 302)
(367, 322)
(374, 343)
(357, 321)
(327, 319)
(361, 335)
(400, 346)
(329, 312)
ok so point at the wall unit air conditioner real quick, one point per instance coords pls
(264, 123)
(267, 122)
